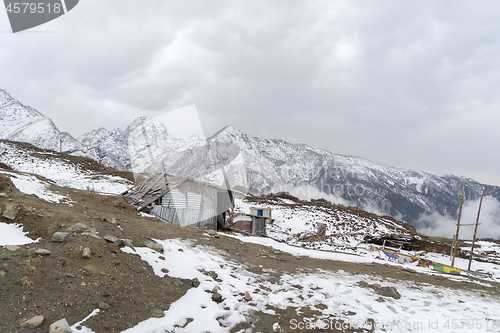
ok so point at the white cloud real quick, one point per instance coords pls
(446, 226)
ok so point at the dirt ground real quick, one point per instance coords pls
(63, 285)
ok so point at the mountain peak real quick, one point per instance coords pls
(5, 98)
(228, 130)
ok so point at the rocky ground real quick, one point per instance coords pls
(59, 283)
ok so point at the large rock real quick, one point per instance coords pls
(386, 291)
(112, 239)
(79, 227)
(59, 237)
(43, 252)
(60, 326)
(33, 322)
(155, 246)
(216, 297)
(86, 253)
(10, 211)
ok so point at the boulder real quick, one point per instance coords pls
(155, 246)
(157, 313)
(86, 253)
(112, 239)
(43, 252)
(59, 237)
(217, 298)
(10, 211)
(33, 322)
(60, 326)
(104, 306)
(79, 227)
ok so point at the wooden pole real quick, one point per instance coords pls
(475, 231)
(455, 243)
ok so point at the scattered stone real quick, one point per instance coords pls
(211, 232)
(60, 326)
(195, 282)
(86, 253)
(164, 270)
(33, 322)
(383, 291)
(10, 211)
(112, 239)
(217, 298)
(79, 227)
(180, 250)
(70, 275)
(155, 246)
(388, 292)
(126, 242)
(248, 297)
(187, 282)
(113, 220)
(213, 275)
(4, 195)
(104, 306)
(157, 313)
(215, 290)
(43, 252)
(12, 247)
(59, 237)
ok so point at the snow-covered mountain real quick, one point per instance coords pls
(276, 165)
(143, 146)
(25, 124)
(261, 166)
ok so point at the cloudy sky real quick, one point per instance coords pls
(412, 84)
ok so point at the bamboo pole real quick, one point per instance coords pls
(455, 243)
(475, 231)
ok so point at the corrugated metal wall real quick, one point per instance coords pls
(180, 206)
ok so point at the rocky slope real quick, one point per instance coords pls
(143, 275)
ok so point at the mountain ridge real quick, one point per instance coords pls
(269, 165)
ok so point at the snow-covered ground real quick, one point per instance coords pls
(13, 234)
(345, 238)
(344, 231)
(60, 171)
(486, 249)
(30, 184)
(338, 298)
